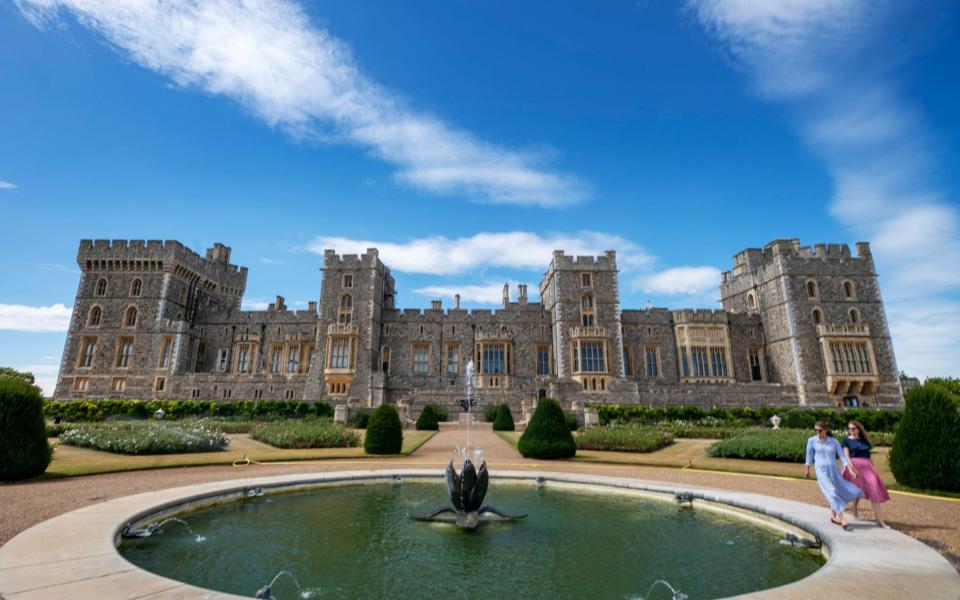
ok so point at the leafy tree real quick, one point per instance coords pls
(10, 372)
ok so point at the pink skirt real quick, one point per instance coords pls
(867, 480)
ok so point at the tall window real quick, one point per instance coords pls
(751, 302)
(166, 352)
(183, 295)
(543, 359)
(817, 316)
(421, 357)
(88, 347)
(348, 280)
(101, 289)
(130, 317)
(222, 355)
(811, 289)
(854, 315)
(340, 353)
(701, 367)
(756, 374)
(453, 359)
(627, 361)
(124, 352)
(243, 358)
(293, 358)
(587, 309)
(850, 357)
(494, 358)
(718, 362)
(848, 290)
(650, 360)
(346, 309)
(135, 287)
(93, 319)
(586, 279)
(684, 362)
(276, 359)
(588, 357)
(385, 360)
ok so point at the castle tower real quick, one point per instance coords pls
(824, 323)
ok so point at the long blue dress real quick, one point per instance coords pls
(838, 491)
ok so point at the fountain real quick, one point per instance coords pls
(129, 532)
(468, 488)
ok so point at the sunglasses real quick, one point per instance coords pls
(817, 429)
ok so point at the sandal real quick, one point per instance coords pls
(835, 521)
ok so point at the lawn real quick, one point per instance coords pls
(69, 461)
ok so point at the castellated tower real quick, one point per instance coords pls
(135, 306)
(823, 320)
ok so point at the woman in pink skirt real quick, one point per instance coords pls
(857, 448)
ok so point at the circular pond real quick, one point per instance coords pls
(357, 541)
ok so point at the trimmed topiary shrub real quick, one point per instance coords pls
(24, 451)
(504, 420)
(428, 419)
(547, 435)
(926, 448)
(384, 432)
(490, 413)
(360, 420)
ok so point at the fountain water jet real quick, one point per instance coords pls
(141, 532)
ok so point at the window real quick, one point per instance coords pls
(166, 351)
(124, 352)
(340, 353)
(201, 355)
(453, 359)
(850, 357)
(243, 358)
(751, 302)
(854, 315)
(293, 358)
(848, 290)
(288, 394)
(93, 319)
(183, 295)
(385, 360)
(588, 357)
(346, 309)
(348, 281)
(227, 393)
(136, 287)
(701, 367)
(684, 362)
(586, 279)
(756, 374)
(494, 358)
(81, 384)
(718, 362)
(627, 361)
(817, 316)
(118, 385)
(421, 357)
(651, 361)
(159, 383)
(337, 388)
(811, 289)
(587, 310)
(88, 347)
(222, 356)
(101, 289)
(195, 393)
(543, 359)
(276, 359)
(130, 317)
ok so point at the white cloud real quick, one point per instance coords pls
(6, 185)
(45, 375)
(269, 57)
(832, 61)
(254, 304)
(18, 317)
(682, 281)
(516, 249)
(491, 293)
(272, 261)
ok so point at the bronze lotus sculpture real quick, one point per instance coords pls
(467, 490)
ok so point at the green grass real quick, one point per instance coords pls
(624, 438)
(146, 437)
(309, 433)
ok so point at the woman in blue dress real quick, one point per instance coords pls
(823, 450)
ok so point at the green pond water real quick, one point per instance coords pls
(357, 542)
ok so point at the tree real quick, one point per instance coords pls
(15, 374)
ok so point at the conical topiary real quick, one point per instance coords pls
(926, 448)
(504, 420)
(24, 451)
(428, 419)
(384, 432)
(547, 434)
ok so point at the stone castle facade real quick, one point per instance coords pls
(801, 326)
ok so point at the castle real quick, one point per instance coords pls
(799, 326)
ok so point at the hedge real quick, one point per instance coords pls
(24, 451)
(926, 450)
(504, 420)
(98, 410)
(308, 433)
(384, 432)
(624, 438)
(547, 435)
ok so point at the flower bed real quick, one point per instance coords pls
(138, 437)
(309, 433)
(788, 445)
(624, 438)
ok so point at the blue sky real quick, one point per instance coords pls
(467, 140)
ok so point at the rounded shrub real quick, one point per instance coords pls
(504, 420)
(360, 419)
(24, 451)
(547, 435)
(926, 448)
(384, 432)
(428, 419)
(490, 412)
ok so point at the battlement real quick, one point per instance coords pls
(121, 254)
(750, 260)
(699, 315)
(332, 260)
(562, 262)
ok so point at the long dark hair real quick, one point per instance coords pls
(824, 427)
(861, 431)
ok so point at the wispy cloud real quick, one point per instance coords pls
(272, 261)
(254, 304)
(830, 62)
(682, 281)
(18, 317)
(44, 374)
(490, 293)
(515, 249)
(6, 185)
(268, 56)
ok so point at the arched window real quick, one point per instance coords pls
(136, 287)
(751, 302)
(101, 289)
(130, 317)
(346, 309)
(587, 310)
(848, 290)
(817, 316)
(385, 359)
(93, 319)
(811, 288)
(183, 295)
(854, 315)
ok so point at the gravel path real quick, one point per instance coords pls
(933, 521)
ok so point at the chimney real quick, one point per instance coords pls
(456, 299)
(506, 294)
(436, 305)
(522, 294)
(280, 305)
(312, 306)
